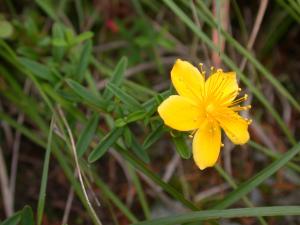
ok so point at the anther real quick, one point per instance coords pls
(201, 67)
(249, 121)
(219, 70)
(239, 89)
(222, 145)
(246, 96)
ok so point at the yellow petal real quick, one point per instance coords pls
(187, 80)
(180, 113)
(222, 87)
(235, 126)
(207, 144)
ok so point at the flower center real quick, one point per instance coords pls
(210, 108)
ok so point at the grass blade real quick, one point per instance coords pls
(143, 168)
(228, 213)
(84, 60)
(13, 220)
(27, 216)
(253, 182)
(42, 195)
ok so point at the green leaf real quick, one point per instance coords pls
(58, 36)
(83, 37)
(59, 42)
(181, 147)
(27, 216)
(153, 136)
(137, 115)
(139, 150)
(87, 134)
(45, 5)
(228, 213)
(84, 60)
(128, 100)
(85, 94)
(6, 30)
(127, 136)
(38, 69)
(13, 220)
(250, 184)
(105, 144)
(117, 77)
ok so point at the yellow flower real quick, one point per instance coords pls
(204, 107)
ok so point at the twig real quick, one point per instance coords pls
(171, 167)
(261, 12)
(210, 192)
(109, 46)
(6, 194)
(15, 150)
(7, 130)
(77, 165)
(228, 146)
(221, 11)
(260, 133)
(68, 206)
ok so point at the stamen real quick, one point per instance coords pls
(192, 134)
(240, 108)
(239, 100)
(222, 145)
(201, 68)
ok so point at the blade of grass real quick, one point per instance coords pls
(73, 148)
(114, 198)
(13, 220)
(42, 195)
(273, 154)
(64, 163)
(138, 164)
(232, 183)
(228, 213)
(256, 180)
(140, 192)
(84, 60)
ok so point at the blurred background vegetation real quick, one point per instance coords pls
(80, 138)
